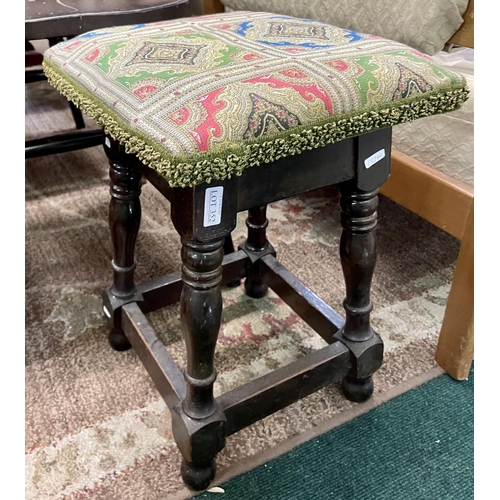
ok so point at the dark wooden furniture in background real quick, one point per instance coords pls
(201, 422)
(55, 21)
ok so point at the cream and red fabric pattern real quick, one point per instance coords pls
(203, 98)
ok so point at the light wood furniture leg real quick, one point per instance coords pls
(455, 349)
(212, 7)
(448, 204)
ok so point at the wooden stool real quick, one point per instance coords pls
(224, 114)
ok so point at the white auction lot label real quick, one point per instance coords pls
(374, 158)
(213, 206)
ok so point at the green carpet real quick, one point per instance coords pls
(419, 445)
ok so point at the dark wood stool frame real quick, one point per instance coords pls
(200, 422)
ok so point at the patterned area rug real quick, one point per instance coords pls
(96, 427)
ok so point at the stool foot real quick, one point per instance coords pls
(256, 289)
(118, 341)
(198, 476)
(357, 390)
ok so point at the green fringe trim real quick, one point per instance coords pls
(188, 171)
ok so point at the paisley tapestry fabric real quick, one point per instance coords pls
(425, 25)
(202, 98)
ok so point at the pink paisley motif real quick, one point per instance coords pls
(92, 56)
(354, 67)
(71, 46)
(144, 91)
(224, 26)
(293, 73)
(251, 57)
(209, 127)
(307, 92)
(339, 65)
(181, 116)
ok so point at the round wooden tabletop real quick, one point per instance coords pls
(58, 18)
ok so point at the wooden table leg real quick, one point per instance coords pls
(256, 241)
(198, 424)
(455, 349)
(204, 216)
(124, 222)
(357, 254)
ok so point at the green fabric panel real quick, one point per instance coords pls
(417, 446)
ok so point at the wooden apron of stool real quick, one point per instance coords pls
(200, 422)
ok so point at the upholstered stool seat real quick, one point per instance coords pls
(227, 113)
(203, 98)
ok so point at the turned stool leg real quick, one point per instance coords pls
(228, 245)
(256, 242)
(124, 221)
(228, 249)
(198, 424)
(357, 253)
